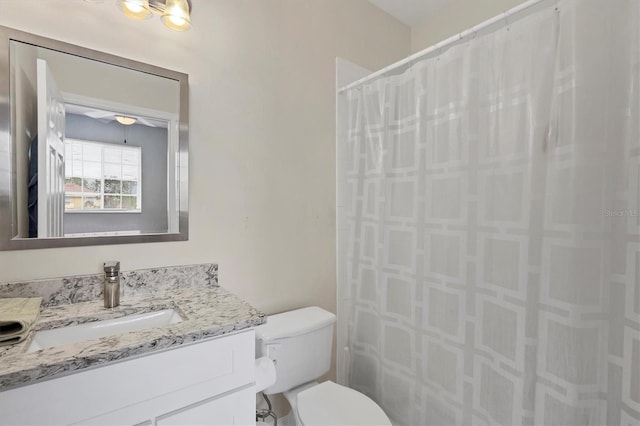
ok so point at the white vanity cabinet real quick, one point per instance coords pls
(205, 383)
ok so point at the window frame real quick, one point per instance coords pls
(102, 193)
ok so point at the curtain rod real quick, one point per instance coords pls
(451, 40)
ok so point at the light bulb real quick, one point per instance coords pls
(177, 20)
(176, 15)
(134, 9)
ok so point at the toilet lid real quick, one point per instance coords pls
(332, 404)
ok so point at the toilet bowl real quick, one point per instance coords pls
(300, 342)
(329, 403)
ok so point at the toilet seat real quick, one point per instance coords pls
(332, 404)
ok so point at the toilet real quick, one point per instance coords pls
(299, 342)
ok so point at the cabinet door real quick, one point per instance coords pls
(233, 409)
(136, 390)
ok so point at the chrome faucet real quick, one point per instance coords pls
(111, 284)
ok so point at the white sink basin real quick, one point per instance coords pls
(94, 330)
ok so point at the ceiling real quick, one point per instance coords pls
(109, 116)
(410, 12)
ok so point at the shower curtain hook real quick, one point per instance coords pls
(506, 19)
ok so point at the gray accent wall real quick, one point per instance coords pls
(153, 142)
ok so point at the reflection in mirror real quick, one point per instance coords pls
(96, 148)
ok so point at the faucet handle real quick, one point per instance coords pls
(111, 267)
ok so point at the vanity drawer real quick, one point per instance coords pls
(173, 378)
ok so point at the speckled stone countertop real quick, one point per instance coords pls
(207, 311)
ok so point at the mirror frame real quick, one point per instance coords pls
(8, 184)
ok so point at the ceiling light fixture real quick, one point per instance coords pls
(134, 9)
(127, 121)
(175, 14)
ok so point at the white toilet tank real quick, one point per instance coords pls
(300, 343)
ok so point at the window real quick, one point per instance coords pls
(102, 177)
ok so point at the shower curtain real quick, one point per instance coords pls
(490, 230)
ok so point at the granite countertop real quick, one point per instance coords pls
(206, 312)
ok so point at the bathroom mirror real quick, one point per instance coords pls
(93, 147)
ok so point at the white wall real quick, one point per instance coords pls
(262, 134)
(455, 17)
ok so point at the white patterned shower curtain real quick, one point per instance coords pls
(491, 226)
